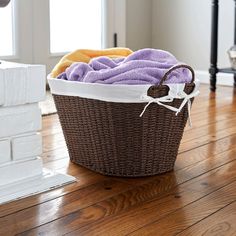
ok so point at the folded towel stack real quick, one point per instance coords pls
(21, 88)
(145, 66)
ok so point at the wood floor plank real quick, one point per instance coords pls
(205, 172)
(164, 186)
(96, 212)
(151, 211)
(191, 214)
(208, 130)
(211, 117)
(60, 206)
(54, 155)
(211, 104)
(85, 179)
(220, 223)
(206, 151)
(212, 137)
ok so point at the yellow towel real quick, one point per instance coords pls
(85, 55)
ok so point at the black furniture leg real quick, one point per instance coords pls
(235, 35)
(214, 44)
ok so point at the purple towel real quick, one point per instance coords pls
(146, 66)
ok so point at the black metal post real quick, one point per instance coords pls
(115, 40)
(214, 44)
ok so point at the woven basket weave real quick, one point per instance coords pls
(112, 139)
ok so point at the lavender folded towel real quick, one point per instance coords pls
(146, 66)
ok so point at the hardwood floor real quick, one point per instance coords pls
(198, 198)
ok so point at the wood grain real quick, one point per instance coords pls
(191, 214)
(197, 198)
(143, 213)
(220, 223)
(130, 200)
(60, 206)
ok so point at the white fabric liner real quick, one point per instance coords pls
(125, 93)
(112, 92)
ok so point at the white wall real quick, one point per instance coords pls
(183, 28)
(139, 24)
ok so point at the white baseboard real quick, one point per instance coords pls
(48, 180)
(20, 179)
(19, 170)
(222, 78)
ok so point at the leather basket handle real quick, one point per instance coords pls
(164, 78)
(153, 91)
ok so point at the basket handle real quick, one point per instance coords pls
(164, 78)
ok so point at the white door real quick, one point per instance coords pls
(42, 31)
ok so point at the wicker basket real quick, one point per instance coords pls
(111, 138)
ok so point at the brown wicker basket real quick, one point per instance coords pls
(112, 139)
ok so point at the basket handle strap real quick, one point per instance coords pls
(164, 78)
(162, 100)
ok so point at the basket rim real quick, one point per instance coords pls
(112, 92)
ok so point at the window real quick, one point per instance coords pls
(6, 31)
(75, 24)
(41, 31)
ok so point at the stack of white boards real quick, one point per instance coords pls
(22, 86)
